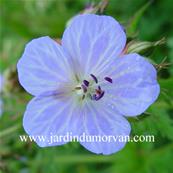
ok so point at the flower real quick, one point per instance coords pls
(83, 85)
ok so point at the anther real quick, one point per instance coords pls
(100, 96)
(94, 78)
(97, 96)
(78, 88)
(108, 79)
(86, 83)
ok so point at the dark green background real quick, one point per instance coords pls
(23, 20)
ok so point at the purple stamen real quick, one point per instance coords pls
(84, 88)
(108, 79)
(100, 96)
(94, 78)
(86, 83)
(97, 97)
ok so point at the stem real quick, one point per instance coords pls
(9, 130)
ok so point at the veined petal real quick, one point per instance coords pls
(101, 120)
(134, 86)
(51, 116)
(93, 42)
(43, 66)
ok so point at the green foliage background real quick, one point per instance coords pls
(23, 20)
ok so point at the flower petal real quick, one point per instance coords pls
(101, 120)
(51, 116)
(134, 86)
(43, 66)
(93, 41)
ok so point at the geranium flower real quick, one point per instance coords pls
(85, 84)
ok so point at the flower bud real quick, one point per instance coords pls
(142, 46)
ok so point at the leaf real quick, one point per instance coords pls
(158, 123)
(134, 21)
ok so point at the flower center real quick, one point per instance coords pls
(91, 89)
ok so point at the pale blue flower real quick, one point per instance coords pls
(84, 85)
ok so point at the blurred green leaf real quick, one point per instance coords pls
(134, 21)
